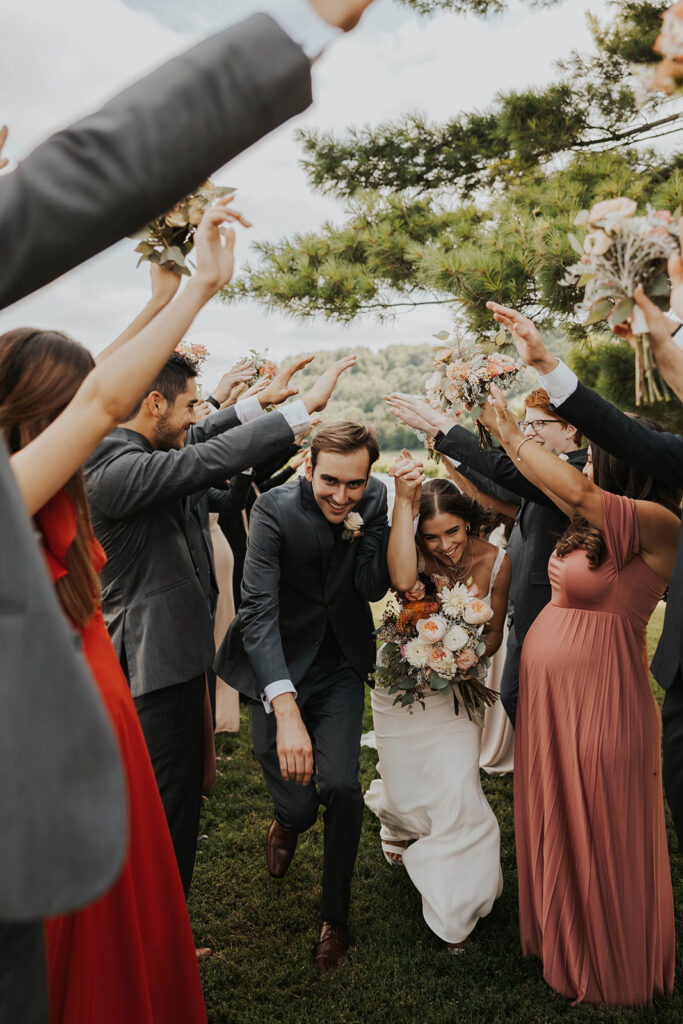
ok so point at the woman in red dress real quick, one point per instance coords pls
(595, 897)
(128, 957)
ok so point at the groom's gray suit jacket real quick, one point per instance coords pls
(155, 605)
(297, 580)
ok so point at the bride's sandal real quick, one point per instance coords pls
(393, 851)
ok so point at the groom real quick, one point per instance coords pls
(300, 648)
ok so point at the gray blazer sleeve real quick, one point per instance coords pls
(259, 609)
(104, 177)
(137, 480)
(371, 576)
(212, 426)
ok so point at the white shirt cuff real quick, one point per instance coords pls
(303, 25)
(453, 462)
(560, 383)
(273, 690)
(297, 416)
(248, 409)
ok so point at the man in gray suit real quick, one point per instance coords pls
(156, 605)
(81, 191)
(302, 645)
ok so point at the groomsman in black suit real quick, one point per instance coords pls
(660, 454)
(302, 646)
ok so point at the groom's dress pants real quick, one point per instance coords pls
(331, 705)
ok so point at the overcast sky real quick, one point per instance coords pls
(61, 60)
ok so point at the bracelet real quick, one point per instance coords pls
(212, 401)
(523, 441)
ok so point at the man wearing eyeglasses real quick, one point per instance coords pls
(538, 523)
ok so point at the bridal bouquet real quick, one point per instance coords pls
(620, 251)
(194, 351)
(434, 642)
(262, 368)
(464, 373)
(168, 239)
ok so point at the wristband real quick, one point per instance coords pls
(523, 441)
(212, 401)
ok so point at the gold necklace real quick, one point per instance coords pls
(457, 568)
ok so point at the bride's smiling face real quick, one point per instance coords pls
(445, 535)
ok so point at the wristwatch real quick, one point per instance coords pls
(212, 401)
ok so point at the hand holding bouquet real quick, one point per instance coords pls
(463, 375)
(619, 252)
(169, 239)
(432, 642)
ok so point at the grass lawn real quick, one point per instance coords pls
(262, 930)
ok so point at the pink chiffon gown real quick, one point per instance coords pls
(595, 897)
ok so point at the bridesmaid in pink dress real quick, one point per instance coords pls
(595, 897)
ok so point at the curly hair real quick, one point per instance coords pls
(618, 477)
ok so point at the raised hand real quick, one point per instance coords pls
(239, 374)
(487, 418)
(165, 284)
(3, 139)
(344, 14)
(280, 388)
(215, 246)
(319, 395)
(409, 477)
(417, 413)
(502, 423)
(526, 337)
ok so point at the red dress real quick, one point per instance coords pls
(595, 899)
(129, 957)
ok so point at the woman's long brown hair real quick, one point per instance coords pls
(40, 372)
(439, 495)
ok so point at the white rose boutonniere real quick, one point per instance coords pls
(353, 526)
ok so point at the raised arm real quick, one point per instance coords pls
(112, 389)
(164, 286)
(401, 552)
(371, 576)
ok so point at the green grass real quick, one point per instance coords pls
(262, 930)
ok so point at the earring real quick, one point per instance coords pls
(467, 528)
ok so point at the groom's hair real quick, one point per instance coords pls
(343, 438)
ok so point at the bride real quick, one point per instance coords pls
(434, 815)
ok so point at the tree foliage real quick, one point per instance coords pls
(479, 207)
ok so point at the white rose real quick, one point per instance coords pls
(417, 653)
(456, 638)
(431, 630)
(353, 522)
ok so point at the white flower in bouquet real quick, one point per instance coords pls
(454, 600)
(431, 630)
(417, 653)
(456, 638)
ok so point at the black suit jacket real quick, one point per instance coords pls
(296, 581)
(538, 525)
(661, 455)
(156, 607)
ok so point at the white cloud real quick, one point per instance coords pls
(64, 59)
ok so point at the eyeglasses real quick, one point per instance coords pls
(536, 425)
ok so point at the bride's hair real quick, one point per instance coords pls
(618, 477)
(443, 496)
(40, 372)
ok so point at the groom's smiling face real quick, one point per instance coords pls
(338, 482)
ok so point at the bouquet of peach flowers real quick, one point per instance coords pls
(464, 373)
(169, 239)
(263, 368)
(620, 251)
(432, 642)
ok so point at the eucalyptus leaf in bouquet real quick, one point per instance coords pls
(169, 239)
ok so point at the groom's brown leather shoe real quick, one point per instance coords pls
(280, 847)
(332, 946)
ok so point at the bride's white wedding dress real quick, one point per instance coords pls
(430, 791)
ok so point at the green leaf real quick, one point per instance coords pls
(575, 243)
(501, 338)
(599, 311)
(441, 336)
(659, 285)
(173, 254)
(480, 648)
(621, 312)
(145, 248)
(584, 279)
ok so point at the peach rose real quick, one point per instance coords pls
(477, 612)
(619, 207)
(441, 660)
(466, 659)
(442, 354)
(457, 370)
(416, 592)
(665, 216)
(431, 630)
